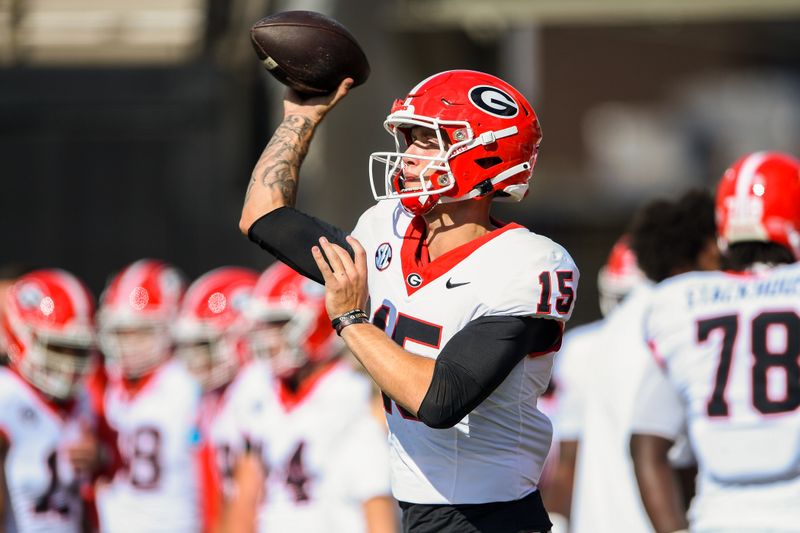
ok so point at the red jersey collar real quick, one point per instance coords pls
(419, 270)
(290, 399)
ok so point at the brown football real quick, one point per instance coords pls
(308, 51)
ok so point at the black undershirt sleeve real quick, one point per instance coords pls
(477, 359)
(289, 234)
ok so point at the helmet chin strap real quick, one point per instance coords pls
(476, 192)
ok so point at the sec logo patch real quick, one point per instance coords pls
(383, 256)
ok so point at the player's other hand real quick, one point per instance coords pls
(314, 107)
(345, 277)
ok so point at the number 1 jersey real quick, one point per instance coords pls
(497, 451)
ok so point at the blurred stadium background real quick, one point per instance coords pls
(128, 127)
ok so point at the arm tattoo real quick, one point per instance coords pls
(280, 162)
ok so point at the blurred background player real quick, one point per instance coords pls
(151, 402)
(564, 401)
(667, 238)
(319, 461)
(209, 335)
(48, 331)
(725, 349)
(9, 273)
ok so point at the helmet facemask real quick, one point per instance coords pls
(57, 365)
(134, 351)
(278, 336)
(435, 177)
(211, 359)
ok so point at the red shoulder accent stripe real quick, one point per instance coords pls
(419, 270)
(556, 343)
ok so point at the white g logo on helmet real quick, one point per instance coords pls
(493, 101)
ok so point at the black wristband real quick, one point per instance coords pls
(356, 316)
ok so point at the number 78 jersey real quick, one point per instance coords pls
(497, 451)
(730, 345)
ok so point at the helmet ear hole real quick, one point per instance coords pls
(488, 162)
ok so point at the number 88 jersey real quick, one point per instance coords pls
(730, 346)
(159, 484)
(496, 452)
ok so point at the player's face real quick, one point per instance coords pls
(61, 367)
(138, 348)
(267, 339)
(198, 357)
(423, 144)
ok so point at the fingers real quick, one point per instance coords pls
(333, 257)
(322, 264)
(360, 256)
(342, 90)
(347, 262)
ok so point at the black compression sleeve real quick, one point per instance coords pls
(477, 359)
(289, 235)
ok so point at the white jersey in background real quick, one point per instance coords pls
(158, 487)
(220, 414)
(42, 486)
(324, 454)
(605, 494)
(570, 380)
(497, 451)
(730, 346)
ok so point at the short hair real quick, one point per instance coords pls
(668, 236)
(742, 255)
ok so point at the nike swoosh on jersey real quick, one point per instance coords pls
(451, 285)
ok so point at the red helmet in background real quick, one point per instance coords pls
(289, 323)
(488, 136)
(48, 331)
(619, 276)
(209, 331)
(758, 199)
(136, 312)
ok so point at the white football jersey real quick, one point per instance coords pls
(495, 453)
(571, 378)
(729, 344)
(158, 488)
(323, 453)
(605, 493)
(42, 486)
(220, 414)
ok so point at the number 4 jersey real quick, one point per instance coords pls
(496, 452)
(730, 344)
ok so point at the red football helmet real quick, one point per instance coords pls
(619, 276)
(289, 323)
(488, 137)
(48, 331)
(209, 330)
(758, 199)
(136, 311)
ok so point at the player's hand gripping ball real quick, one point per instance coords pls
(309, 52)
